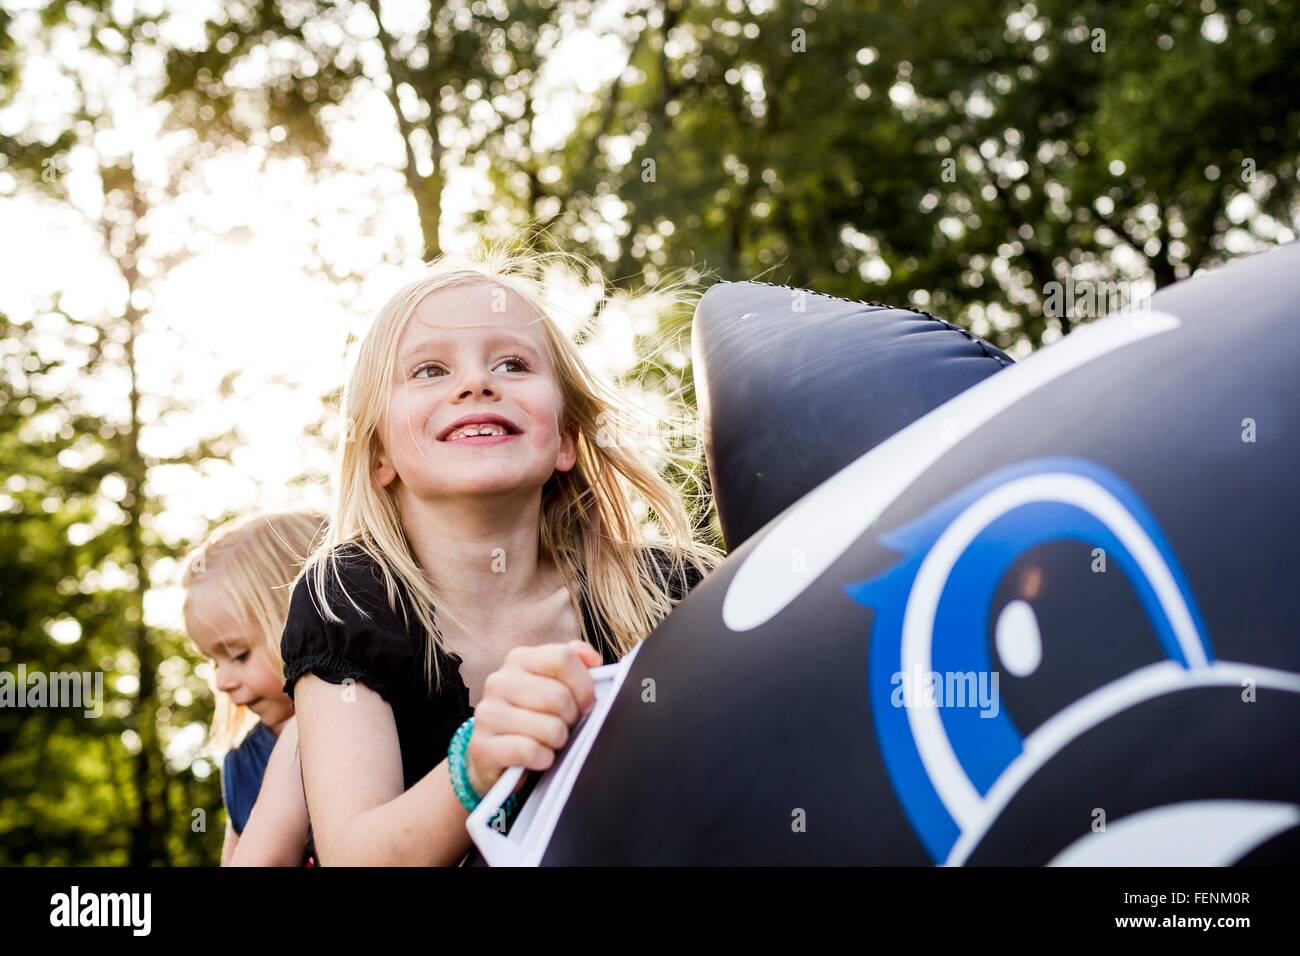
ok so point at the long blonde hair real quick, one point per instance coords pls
(589, 524)
(252, 561)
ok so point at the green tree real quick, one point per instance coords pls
(86, 545)
(461, 80)
(957, 157)
(71, 785)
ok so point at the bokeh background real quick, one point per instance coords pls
(202, 203)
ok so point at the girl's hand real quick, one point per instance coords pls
(527, 708)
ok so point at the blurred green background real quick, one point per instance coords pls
(202, 203)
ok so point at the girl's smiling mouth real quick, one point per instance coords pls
(481, 429)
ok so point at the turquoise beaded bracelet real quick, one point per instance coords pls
(458, 769)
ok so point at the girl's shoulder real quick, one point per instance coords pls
(347, 629)
(352, 589)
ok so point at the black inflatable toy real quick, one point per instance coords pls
(1052, 620)
(794, 385)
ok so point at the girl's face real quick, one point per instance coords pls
(472, 351)
(244, 666)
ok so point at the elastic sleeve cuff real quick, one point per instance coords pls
(334, 670)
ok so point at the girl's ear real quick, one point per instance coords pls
(568, 455)
(382, 470)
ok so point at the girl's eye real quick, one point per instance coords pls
(518, 360)
(425, 368)
(242, 657)
(515, 360)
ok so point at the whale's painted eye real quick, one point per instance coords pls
(1082, 629)
(1019, 643)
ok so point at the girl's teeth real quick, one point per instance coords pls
(470, 431)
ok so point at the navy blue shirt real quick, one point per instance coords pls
(242, 772)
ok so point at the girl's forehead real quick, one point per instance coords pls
(209, 618)
(471, 311)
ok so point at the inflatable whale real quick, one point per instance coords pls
(974, 612)
(794, 385)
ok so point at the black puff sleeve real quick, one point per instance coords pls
(371, 648)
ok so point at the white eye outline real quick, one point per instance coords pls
(1191, 833)
(825, 523)
(968, 808)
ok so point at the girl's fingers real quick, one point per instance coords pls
(523, 689)
(500, 718)
(527, 708)
(589, 654)
(490, 755)
(564, 662)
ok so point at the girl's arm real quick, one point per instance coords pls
(352, 767)
(276, 832)
(352, 762)
(229, 845)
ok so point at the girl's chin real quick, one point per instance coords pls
(271, 712)
(493, 489)
(480, 480)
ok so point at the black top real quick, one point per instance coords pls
(379, 652)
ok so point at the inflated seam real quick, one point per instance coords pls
(983, 346)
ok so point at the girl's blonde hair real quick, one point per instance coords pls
(252, 561)
(590, 527)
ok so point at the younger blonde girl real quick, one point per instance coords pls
(236, 598)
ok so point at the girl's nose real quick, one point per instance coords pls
(475, 380)
(225, 681)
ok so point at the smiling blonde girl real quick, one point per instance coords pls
(485, 549)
